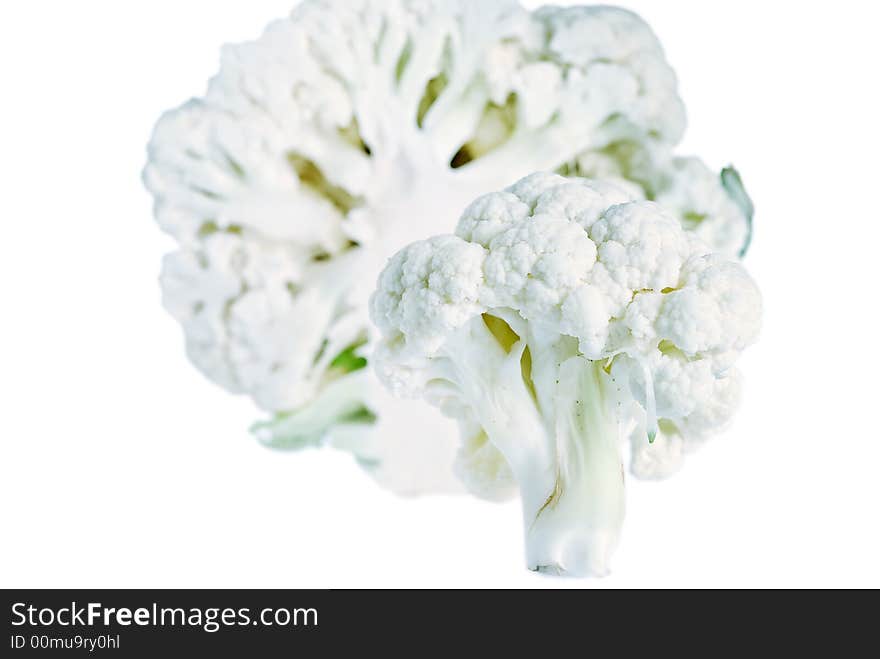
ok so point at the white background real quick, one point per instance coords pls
(122, 467)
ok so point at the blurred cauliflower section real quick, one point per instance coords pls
(355, 127)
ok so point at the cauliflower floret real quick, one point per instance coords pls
(552, 337)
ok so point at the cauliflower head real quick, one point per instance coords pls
(562, 316)
(343, 133)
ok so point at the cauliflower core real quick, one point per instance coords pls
(561, 317)
(354, 127)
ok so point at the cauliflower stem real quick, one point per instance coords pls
(554, 421)
(339, 402)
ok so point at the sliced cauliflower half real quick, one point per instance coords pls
(347, 131)
(561, 318)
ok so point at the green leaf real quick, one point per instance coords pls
(733, 185)
(361, 415)
(348, 360)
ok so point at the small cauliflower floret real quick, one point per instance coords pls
(351, 129)
(236, 296)
(561, 318)
(715, 208)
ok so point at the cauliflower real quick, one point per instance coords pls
(561, 317)
(715, 208)
(354, 127)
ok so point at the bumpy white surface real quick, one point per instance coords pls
(605, 293)
(577, 256)
(326, 145)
